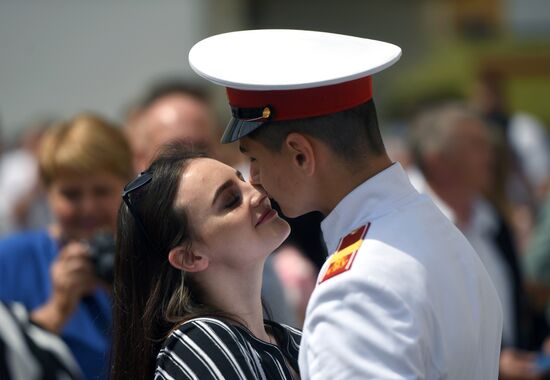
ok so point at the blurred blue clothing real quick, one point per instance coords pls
(25, 260)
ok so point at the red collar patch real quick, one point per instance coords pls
(348, 247)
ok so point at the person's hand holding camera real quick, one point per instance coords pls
(73, 277)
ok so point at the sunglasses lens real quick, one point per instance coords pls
(140, 181)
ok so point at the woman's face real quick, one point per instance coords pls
(84, 205)
(234, 222)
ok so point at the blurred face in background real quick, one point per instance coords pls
(85, 204)
(176, 117)
(84, 164)
(470, 155)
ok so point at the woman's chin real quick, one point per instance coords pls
(279, 234)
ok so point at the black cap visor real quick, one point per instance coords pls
(245, 121)
(238, 128)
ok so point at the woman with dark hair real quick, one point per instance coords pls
(193, 237)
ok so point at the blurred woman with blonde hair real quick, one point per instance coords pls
(84, 164)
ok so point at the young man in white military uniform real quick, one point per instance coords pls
(403, 295)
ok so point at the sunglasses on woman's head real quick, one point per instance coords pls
(141, 180)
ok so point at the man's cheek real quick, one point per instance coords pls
(256, 179)
(254, 174)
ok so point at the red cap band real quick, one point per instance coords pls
(306, 102)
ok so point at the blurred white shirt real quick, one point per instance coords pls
(18, 176)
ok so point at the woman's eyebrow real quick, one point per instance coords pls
(226, 185)
(221, 189)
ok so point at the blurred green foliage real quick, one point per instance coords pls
(451, 68)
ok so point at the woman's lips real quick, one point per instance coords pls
(266, 216)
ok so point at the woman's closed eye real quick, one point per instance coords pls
(232, 199)
(229, 195)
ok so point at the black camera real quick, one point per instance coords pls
(102, 248)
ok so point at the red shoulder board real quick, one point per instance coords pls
(348, 247)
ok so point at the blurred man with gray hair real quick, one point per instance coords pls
(172, 110)
(454, 150)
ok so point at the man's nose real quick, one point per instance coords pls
(258, 194)
(255, 175)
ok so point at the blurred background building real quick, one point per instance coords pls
(61, 57)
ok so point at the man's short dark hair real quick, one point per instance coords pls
(352, 134)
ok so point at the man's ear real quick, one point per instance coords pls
(187, 260)
(302, 152)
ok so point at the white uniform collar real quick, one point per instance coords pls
(368, 201)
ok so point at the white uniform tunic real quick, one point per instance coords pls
(416, 302)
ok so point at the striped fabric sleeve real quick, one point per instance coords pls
(204, 349)
(29, 352)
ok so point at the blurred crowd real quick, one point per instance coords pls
(487, 168)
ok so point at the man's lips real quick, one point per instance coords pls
(268, 214)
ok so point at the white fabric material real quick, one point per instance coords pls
(530, 141)
(294, 59)
(417, 302)
(18, 175)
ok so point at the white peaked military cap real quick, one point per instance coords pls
(279, 74)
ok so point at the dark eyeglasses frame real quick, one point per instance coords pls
(141, 180)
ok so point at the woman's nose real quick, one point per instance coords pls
(88, 204)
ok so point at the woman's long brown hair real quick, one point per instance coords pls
(150, 297)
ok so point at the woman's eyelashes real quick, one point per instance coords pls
(233, 199)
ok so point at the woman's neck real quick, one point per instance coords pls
(238, 293)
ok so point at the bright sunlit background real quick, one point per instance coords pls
(60, 57)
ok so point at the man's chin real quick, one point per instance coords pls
(291, 212)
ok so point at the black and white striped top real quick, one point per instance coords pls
(29, 352)
(208, 348)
